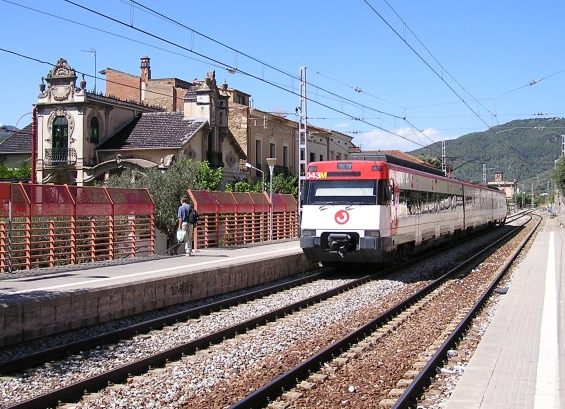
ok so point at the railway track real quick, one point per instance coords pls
(77, 389)
(327, 362)
(49, 354)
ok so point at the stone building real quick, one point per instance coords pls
(84, 137)
(271, 135)
(259, 134)
(15, 149)
(508, 187)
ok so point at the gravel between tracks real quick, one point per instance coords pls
(225, 373)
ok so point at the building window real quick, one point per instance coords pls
(272, 150)
(240, 99)
(285, 156)
(321, 158)
(312, 157)
(258, 156)
(60, 133)
(94, 130)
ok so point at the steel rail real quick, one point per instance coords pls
(116, 375)
(40, 357)
(414, 390)
(289, 379)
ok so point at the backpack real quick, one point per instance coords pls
(193, 216)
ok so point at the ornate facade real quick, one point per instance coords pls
(83, 137)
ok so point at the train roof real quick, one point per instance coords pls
(384, 157)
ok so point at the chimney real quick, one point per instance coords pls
(145, 69)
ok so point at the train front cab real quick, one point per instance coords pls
(345, 216)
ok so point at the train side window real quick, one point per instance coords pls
(383, 192)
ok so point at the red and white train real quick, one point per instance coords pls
(376, 211)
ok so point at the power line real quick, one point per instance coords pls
(530, 84)
(292, 76)
(435, 59)
(131, 26)
(425, 62)
(439, 76)
(359, 90)
(82, 73)
(109, 33)
(218, 64)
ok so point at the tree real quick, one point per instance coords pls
(167, 188)
(559, 174)
(23, 172)
(281, 184)
(430, 160)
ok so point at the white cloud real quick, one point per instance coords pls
(381, 140)
(342, 125)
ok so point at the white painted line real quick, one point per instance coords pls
(547, 377)
(163, 270)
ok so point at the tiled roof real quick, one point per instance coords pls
(17, 142)
(155, 130)
(395, 153)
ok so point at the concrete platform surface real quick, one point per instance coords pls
(45, 302)
(520, 360)
(89, 276)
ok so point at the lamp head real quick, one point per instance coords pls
(271, 162)
(248, 165)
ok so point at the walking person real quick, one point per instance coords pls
(183, 213)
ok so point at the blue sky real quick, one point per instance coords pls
(486, 51)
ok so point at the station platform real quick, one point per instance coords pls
(520, 361)
(42, 302)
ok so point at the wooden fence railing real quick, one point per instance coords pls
(49, 225)
(232, 218)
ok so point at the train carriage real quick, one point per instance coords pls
(373, 211)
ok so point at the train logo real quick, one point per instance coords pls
(341, 217)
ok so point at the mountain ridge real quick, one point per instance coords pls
(525, 150)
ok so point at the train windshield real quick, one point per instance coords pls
(345, 192)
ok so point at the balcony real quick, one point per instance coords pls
(60, 157)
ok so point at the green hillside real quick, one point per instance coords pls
(525, 150)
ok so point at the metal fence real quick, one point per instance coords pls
(231, 218)
(49, 225)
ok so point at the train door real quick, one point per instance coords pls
(394, 209)
(464, 208)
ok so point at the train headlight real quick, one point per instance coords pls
(372, 233)
(308, 233)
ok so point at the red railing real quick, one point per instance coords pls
(48, 225)
(228, 218)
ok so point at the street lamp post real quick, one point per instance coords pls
(271, 162)
(250, 166)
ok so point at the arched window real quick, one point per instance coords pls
(60, 133)
(94, 130)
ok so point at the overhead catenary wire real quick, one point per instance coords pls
(226, 66)
(435, 59)
(341, 99)
(359, 90)
(425, 62)
(84, 73)
(154, 12)
(511, 147)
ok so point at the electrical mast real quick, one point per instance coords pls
(443, 159)
(302, 149)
